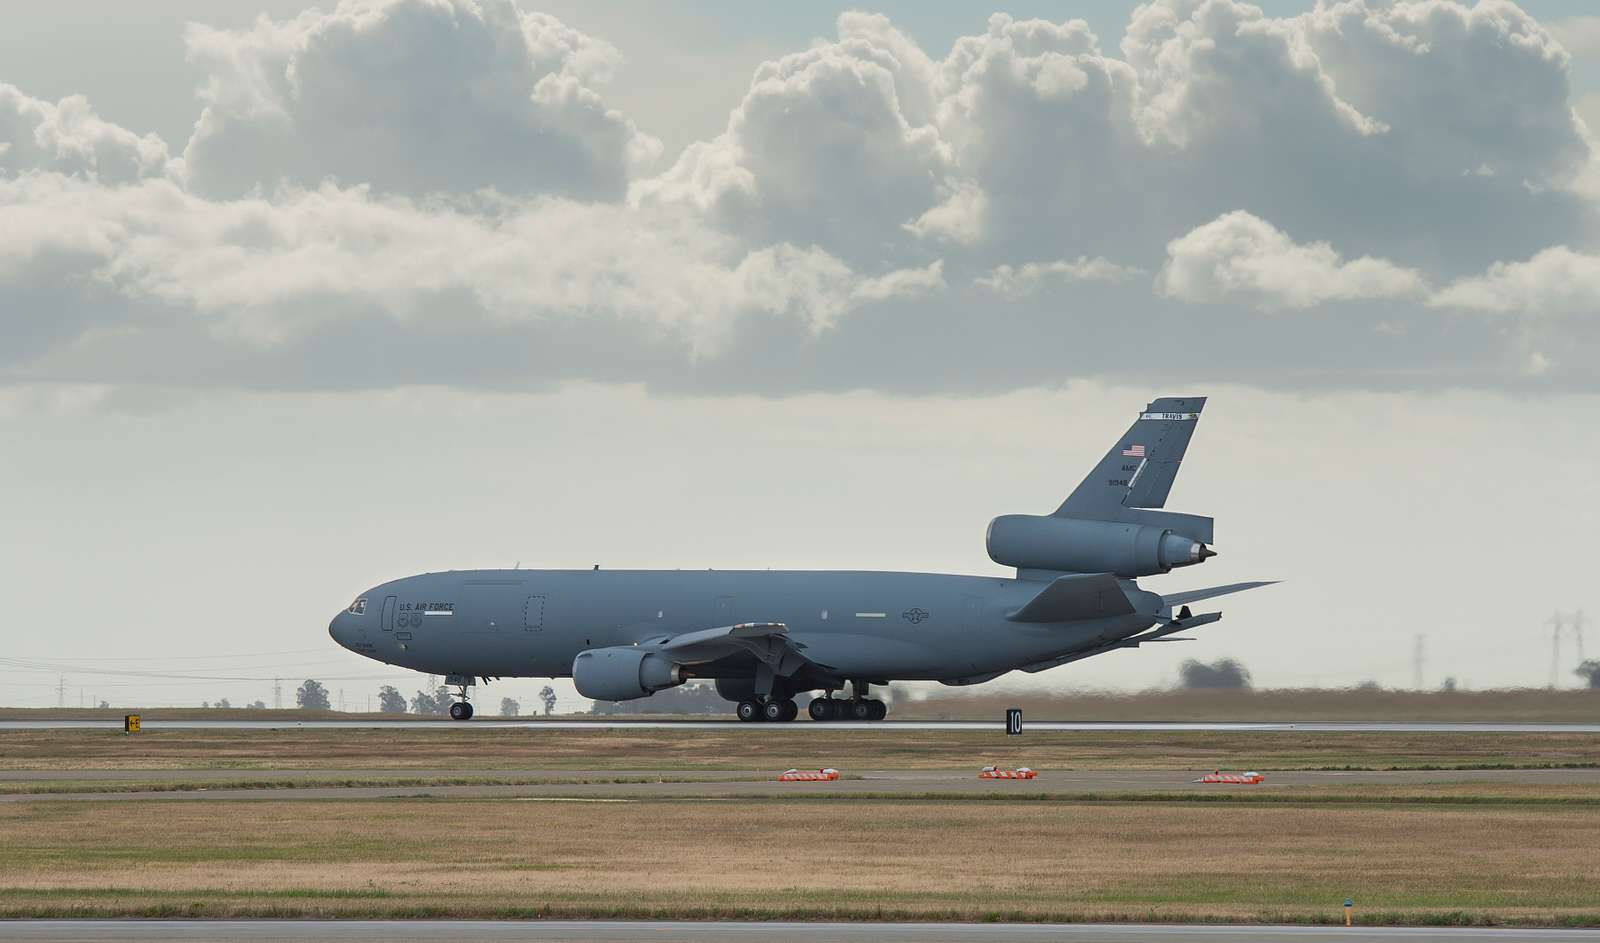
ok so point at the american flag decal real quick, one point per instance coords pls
(1134, 451)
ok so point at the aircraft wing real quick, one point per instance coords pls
(1076, 597)
(769, 642)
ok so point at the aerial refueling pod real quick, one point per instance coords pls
(1128, 549)
(623, 673)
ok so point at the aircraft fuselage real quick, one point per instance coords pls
(861, 624)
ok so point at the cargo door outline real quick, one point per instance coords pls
(533, 613)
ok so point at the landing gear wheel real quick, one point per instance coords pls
(748, 711)
(860, 710)
(877, 710)
(823, 709)
(779, 711)
(461, 710)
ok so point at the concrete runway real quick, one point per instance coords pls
(60, 931)
(812, 727)
(598, 785)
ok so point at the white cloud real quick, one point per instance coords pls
(1241, 256)
(827, 146)
(265, 271)
(1578, 35)
(959, 219)
(1460, 89)
(1019, 281)
(445, 172)
(411, 96)
(69, 137)
(1556, 282)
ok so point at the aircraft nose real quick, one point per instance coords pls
(339, 630)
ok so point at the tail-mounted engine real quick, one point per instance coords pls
(1151, 543)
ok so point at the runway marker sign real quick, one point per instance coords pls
(1013, 721)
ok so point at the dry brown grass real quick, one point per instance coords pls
(874, 859)
(489, 748)
(1526, 705)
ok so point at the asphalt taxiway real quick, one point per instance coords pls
(812, 727)
(605, 931)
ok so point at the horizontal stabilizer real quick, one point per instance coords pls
(1076, 597)
(1195, 595)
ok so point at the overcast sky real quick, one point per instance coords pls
(293, 301)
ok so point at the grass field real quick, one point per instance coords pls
(489, 748)
(1508, 851)
(972, 860)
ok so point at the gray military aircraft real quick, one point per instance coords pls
(765, 636)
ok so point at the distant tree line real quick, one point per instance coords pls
(1224, 673)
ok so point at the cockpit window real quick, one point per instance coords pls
(359, 607)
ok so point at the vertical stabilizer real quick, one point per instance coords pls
(1139, 470)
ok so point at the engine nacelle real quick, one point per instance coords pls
(623, 673)
(1028, 542)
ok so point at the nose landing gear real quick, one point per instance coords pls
(462, 709)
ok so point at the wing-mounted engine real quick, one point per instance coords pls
(626, 672)
(623, 673)
(1147, 543)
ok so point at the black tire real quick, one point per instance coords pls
(748, 711)
(878, 710)
(772, 711)
(860, 710)
(791, 710)
(460, 710)
(823, 709)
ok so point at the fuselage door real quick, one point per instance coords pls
(390, 604)
(533, 614)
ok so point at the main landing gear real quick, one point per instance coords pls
(768, 709)
(832, 708)
(856, 707)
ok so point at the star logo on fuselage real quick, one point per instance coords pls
(914, 616)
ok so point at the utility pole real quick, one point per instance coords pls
(1416, 661)
(61, 691)
(277, 694)
(1556, 622)
(1577, 632)
(341, 700)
